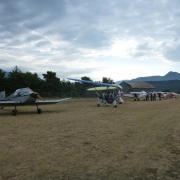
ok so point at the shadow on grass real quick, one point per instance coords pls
(8, 112)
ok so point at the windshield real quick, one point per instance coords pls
(22, 92)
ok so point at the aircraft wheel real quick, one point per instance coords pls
(115, 106)
(98, 105)
(39, 111)
(14, 112)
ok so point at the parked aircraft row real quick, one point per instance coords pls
(142, 95)
(107, 94)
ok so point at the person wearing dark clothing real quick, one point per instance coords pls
(154, 97)
(159, 96)
(147, 97)
(151, 96)
(135, 97)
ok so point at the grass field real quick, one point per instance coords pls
(77, 140)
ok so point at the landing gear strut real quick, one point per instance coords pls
(39, 111)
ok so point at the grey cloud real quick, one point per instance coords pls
(173, 53)
(85, 24)
(7, 64)
(143, 49)
(92, 39)
(76, 72)
(42, 43)
(91, 23)
(62, 70)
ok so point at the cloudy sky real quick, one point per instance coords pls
(120, 39)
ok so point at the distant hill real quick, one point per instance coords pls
(168, 77)
(168, 82)
(172, 85)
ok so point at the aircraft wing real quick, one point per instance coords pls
(82, 81)
(8, 103)
(94, 83)
(101, 88)
(43, 102)
(53, 101)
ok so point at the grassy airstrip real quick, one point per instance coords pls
(77, 140)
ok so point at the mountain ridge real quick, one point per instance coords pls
(167, 77)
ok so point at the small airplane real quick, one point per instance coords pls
(140, 95)
(106, 93)
(25, 96)
(169, 95)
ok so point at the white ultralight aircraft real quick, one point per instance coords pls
(106, 93)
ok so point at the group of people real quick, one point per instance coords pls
(153, 96)
(110, 96)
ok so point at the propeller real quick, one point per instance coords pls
(36, 95)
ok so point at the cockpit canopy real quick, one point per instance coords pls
(22, 92)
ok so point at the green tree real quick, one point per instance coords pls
(107, 80)
(2, 80)
(86, 78)
(81, 89)
(15, 80)
(52, 85)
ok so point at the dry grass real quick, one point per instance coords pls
(77, 140)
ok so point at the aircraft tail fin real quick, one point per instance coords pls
(2, 95)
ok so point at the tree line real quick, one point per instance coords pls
(49, 85)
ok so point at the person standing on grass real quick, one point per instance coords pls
(154, 96)
(159, 96)
(151, 96)
(147, 97)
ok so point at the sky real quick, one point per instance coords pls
(120, 39)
